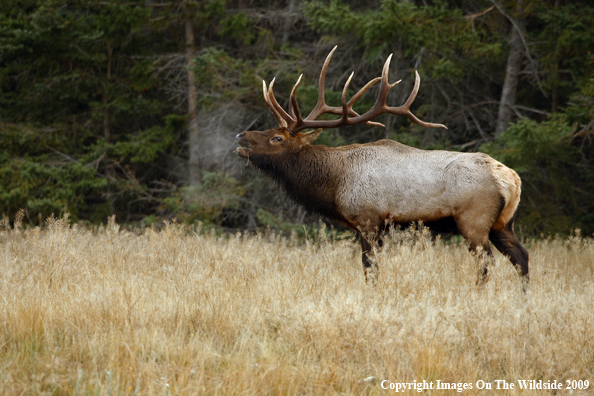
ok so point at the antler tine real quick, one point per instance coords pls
(283, 114)
(293, 106)
(414, 92)
(362, 91)
(405, 108)
(281, 122)
(385, 85)
(358, 95)
(345, 110)
(321, 106)
(413, 118)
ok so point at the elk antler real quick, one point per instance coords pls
(294, 122)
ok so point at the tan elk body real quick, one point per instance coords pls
(368, 187)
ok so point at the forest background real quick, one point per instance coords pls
(131, 108)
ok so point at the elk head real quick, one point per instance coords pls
(287, 138)
(274, 141)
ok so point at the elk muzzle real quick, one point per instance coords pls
(245, 149)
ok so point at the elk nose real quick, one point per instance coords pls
(240, 136)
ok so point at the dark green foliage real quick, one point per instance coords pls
(222, 77)
(213, 202)
(79, 94)
(439, 36)
(37, 175)
(145, 146)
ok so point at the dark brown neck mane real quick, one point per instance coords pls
(308, 176)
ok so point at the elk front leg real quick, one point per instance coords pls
(506, 242)
(370, 267)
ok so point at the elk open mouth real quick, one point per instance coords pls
(244, 150)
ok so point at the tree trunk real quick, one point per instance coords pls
(106, 126)
(555, 71)
(510, 83)
(193, 132)
(289, 21)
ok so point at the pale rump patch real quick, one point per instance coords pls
(510, 186)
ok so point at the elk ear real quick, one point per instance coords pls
(311, 137)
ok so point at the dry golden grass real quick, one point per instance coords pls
(113, 312)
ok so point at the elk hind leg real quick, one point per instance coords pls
(478, 245)
(506, 242)
(483, 255)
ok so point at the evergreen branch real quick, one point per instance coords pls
(63, 155)
(473, 16)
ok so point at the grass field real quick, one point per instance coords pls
(114, 312)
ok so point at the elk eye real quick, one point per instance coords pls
(277, 139)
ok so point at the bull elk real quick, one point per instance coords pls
(368, 187)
